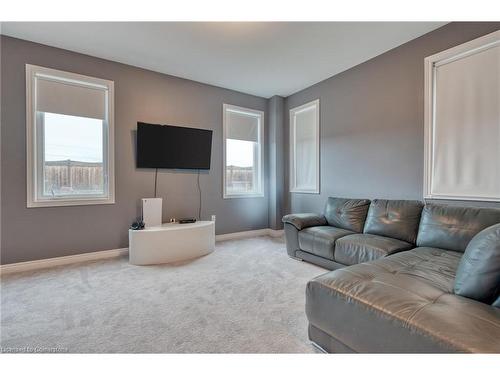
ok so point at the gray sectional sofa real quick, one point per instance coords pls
(400, 281)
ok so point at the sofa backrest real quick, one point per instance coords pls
(451, 227)
(394, 218)
(346, 213)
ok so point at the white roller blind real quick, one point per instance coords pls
(242, 126)
(65, 128)
(70, 99)
(243, 152)
(305, 149)
(466, 131)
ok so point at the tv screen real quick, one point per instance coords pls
(175, 147)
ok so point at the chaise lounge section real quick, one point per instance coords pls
(409, 300)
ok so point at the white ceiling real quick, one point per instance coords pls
(264, 59)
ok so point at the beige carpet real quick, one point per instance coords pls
(246, 297)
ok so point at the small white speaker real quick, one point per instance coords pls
(151, 212)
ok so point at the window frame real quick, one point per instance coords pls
(430, 64)
(292, 165)
(34, 140)
(260, 154)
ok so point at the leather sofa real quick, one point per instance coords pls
(392, 288)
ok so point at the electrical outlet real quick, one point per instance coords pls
(213, 217)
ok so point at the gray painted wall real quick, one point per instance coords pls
(140, 95)
(371, 144)
(372, 123)
(275, 126)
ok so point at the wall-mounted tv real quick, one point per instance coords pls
(173, 147)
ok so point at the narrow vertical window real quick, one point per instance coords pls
(462, 123)
(304, 148)
(243, 136)
(69, 138)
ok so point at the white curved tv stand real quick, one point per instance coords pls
(171, 242)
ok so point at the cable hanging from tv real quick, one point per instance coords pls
(156, 179)
(199, 190)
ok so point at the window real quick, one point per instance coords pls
(243, 139)
(304, 148)
(462, 122)
(69, 138)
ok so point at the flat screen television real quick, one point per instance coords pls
(173, 147)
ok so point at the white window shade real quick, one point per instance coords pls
(242, 127)
(304, 148)
(69, 138)
(463, 131)
(57, 96)
(243, 152)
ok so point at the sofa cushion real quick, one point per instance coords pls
(347, 214)
(394, 218)
(478, 275)
(452, 228)
(321, 240)
(402, 303)
(301, 221)
(359, 248)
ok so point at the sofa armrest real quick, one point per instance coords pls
(302, 221)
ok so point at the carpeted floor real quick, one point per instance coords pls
(246, 297)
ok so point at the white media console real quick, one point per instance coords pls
(171, 242)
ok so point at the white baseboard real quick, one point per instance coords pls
(276, 233)
(249, 234)
(60, 261)
(240, 235)
(105, 254)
